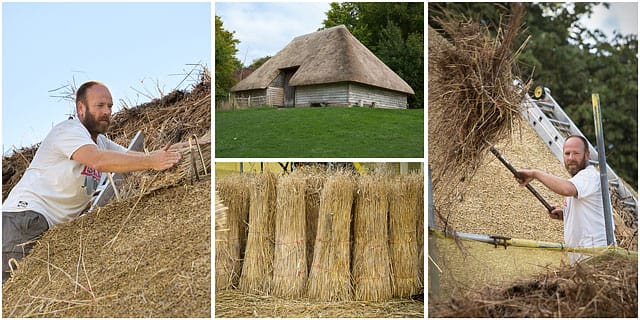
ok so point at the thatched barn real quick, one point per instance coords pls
(328, 67)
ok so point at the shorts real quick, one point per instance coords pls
(19, 230)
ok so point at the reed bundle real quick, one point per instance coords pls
(330, 276)
(371, 264)
(290, 258)
(257, 270)
(402, 237)
(315, 180)
(234, 192)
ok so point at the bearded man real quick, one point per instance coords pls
(65, 171)
(583, 210)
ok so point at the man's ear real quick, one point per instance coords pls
(80, 109)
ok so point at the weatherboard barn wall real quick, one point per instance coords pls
(334, 94)
(376, 97)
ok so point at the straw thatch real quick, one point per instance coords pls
(604, 287)
(257, 270)
(371, 264)
(234, 191)
(471, 96)
(330, 276)
(146, 257)
(290, 261)
(328, 56)
(403, 245)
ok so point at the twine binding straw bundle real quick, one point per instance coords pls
(234, 192)
(402, 237)
(371, 265)
(257, 270)
(290, 261)
(330, 276)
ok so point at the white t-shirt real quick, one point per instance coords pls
(54, 185)
(584, 215)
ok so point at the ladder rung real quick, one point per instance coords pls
(560, 123)
(545, 104)
(614, 183)
(629, 203)
(594, 162)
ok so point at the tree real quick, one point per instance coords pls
(225, 61)
(259, 62)
(393, 31)
(574, 62)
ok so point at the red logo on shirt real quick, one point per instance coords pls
(91, 172)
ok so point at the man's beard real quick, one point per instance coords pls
(576, 167)
(95, 126)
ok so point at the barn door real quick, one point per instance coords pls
(289, 91)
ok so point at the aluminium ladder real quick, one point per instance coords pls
(553, 125)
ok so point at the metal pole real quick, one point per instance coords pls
(602, 160)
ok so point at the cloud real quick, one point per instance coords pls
(621, 18)
(265, 28)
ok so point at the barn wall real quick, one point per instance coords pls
(334, 94)
(364, 95)
(275, 96)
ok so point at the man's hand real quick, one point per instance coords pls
(525, 176)
(556, 213)
(164, 159)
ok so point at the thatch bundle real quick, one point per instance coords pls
(234, 191)
(330, 276)
(471, 96)
(604, 287)
(371, 266)
(418, 180)
(290, 258)
(257, 270)
(315, 180)
(403, 245)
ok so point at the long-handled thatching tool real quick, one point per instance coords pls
(517, 175)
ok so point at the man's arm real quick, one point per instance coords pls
(558, 185)
(112, 161)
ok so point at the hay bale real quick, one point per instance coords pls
(330, 276)
(371, 264)
(402, 237)
(257, 270)
(234, 192)
(290, 260)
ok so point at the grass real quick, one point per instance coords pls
(319, 133)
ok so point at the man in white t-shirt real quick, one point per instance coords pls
(583, 212)
(65, 171)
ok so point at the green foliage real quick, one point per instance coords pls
(575, 62)
(393, 31)
(304, 133)
(225, 61)
(258, 62)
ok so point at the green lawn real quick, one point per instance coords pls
(319, 133)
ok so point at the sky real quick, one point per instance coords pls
(129, 46)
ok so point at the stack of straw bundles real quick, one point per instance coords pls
(257, 269)
(330, 277)
(402, 234)
(371, 266)
(234, 192)
(290, 260)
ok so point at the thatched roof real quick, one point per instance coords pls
(327, 56)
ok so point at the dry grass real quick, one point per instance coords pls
(403, 245)
(330, 276)
(472, 100)
(371, 264)
(604, 287)
(257, 269)
(290, 261)
(158, 265)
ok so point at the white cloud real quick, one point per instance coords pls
(264, 28)
(621, 18)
